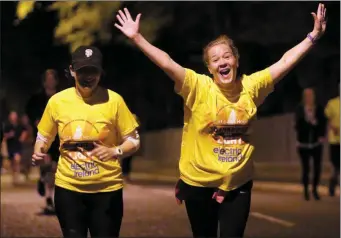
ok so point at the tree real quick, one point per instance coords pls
(83, 23)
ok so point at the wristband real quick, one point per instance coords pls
(312, 39)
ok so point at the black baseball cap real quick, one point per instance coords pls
(87, 56)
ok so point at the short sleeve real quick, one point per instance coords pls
(125, 121)
(192, 87)
(259, 85)
(47, 126)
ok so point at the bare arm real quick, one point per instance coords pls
(131, 143)
(23, 136)
(292, 57)
(130, 28)
(40, 147)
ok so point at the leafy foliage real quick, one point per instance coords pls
(83, 23)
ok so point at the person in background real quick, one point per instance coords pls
(216, 165)
(332, 112)
(27, 148)
(34, 110)
(14, 134)
(126, 162)
(3, 117)
(310, 124)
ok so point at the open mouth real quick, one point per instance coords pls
(225, 72)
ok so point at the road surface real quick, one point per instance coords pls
(151, 211)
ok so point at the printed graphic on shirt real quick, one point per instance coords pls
(78, 137)
(229, 132)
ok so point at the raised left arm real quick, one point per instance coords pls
(293, 56)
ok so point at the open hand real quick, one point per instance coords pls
(103, 153)
(320, 22)
(128, 26)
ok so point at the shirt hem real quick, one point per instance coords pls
(76, 188)
(222, 187)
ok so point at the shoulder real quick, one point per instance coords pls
(62, 94)
(201, 78)
(114, 97)
(261, 74)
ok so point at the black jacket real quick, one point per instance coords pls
(305, 131)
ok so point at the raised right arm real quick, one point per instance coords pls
(130, 28)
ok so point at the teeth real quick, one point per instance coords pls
(225, 71)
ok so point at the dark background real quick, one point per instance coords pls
(262, 31)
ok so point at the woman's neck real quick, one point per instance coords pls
(231, 91)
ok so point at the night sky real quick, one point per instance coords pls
(262, 31)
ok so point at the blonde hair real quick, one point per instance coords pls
(223, 39)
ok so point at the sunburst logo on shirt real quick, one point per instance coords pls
(230, 125)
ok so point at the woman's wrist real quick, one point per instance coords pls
(313, 37)
(117, 152)
(136, 39)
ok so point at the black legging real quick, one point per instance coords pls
(334, 150)
(101, 213)
(316, 155)
(205, 213)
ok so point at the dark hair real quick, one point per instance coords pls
(52, 72)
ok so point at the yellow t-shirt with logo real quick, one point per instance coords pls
(332, 112)
(105, 119)
(216, 148)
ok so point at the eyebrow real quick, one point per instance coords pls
(228, 52)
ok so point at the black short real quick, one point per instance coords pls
(12, 153)
(101, 213)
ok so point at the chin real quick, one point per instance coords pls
(226, 81)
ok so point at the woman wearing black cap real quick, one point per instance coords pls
(96, 129)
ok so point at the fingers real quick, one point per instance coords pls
(120, 19)
(325, 13)
(39, 155)
(319, 8)
(101, 153)
(127, 14)
(314, 16)
(124, 18)
(38, 158)
(118, 26)
(138, 18)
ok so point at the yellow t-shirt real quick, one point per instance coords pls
(106, 119)
(216, 150)
(332, 112)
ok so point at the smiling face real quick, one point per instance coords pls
(221, 58)
(222, 64)
(87, 79)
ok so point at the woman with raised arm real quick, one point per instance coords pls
(216, 169)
